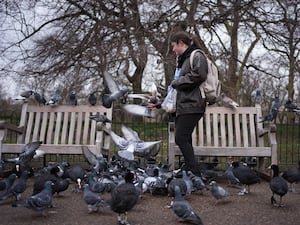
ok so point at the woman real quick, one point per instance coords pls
(190, 106)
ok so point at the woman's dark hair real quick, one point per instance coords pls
(185, 38)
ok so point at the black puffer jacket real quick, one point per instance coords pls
(189, 100)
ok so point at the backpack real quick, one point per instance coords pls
(211, 87)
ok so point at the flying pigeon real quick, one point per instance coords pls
(39, 202)
(97, 161)
(55, 98)
(229, 102)
(92, 99)
(278, 186)
(183, 209)
(290, 105)
(124, 197)
(218, 192)
(139, 110)
(72, 98)
(92, 199)
(116, 92)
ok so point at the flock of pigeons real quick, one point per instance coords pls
(127, 181)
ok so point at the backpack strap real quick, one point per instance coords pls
(191, 65)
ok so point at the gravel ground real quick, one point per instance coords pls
(252, 209)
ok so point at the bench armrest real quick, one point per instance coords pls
(9, 126)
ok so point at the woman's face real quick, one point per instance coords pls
(178, 48)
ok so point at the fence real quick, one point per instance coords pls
(153, 129)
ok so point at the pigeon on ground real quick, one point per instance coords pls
(97, 161)
(218, 192)
(228, 102)
(92, 199)
(39, 202)
(6, 183)
(18, 187)
(245, 175)
(232, 180)
(278, 185)
(183, 209)
(198, 184)
(72, 98)
(76, 174)
(292, 176)
(123, 198)
(116, 92)
(177, 181)
(92, 99)
(55, 98)
(1, 168)
(156, 184)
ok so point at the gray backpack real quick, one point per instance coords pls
(211, 88)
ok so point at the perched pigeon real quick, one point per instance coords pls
(292, 176)
(290, 105)
(92, 99)
(124, 197)
(278, 186)
(39, 202)
(258, 96)
(92, 199)
(40, 99)
(116, 92)
(100, 118)
(245, 175)
(72, 98)
(55, 98)
(25, 95)
(218, 192)
(183, 209)
(273, 111)
(229, 102)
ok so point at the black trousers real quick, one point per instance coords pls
(184, 125)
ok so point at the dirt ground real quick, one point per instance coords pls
(252, 209)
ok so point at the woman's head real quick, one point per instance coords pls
(180, 41)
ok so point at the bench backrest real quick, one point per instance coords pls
(225, 127)
(64, 125)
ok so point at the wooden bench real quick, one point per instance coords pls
(62, 129)
(227, 132)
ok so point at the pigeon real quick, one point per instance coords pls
(228, 102)
(245, 175)
(218, 192)
(258, 96)
(290, 105)
(292, 176)
(92, 199)
(18, 187)
(40, 99)
(198, 184)
(116, 92)
(177, 181)
(124, 197)
(100, 118)
(156, 184)
(188, 182)
(92, 99)
(273, 111)
(72, 98)
(278, 186)
(39, 202)
(55, 98)
(76, 174)
(97, 161)
(232, 180)
(6, 183)
(183, 209)
(139, 110)
(1, 168)
(25, 95)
